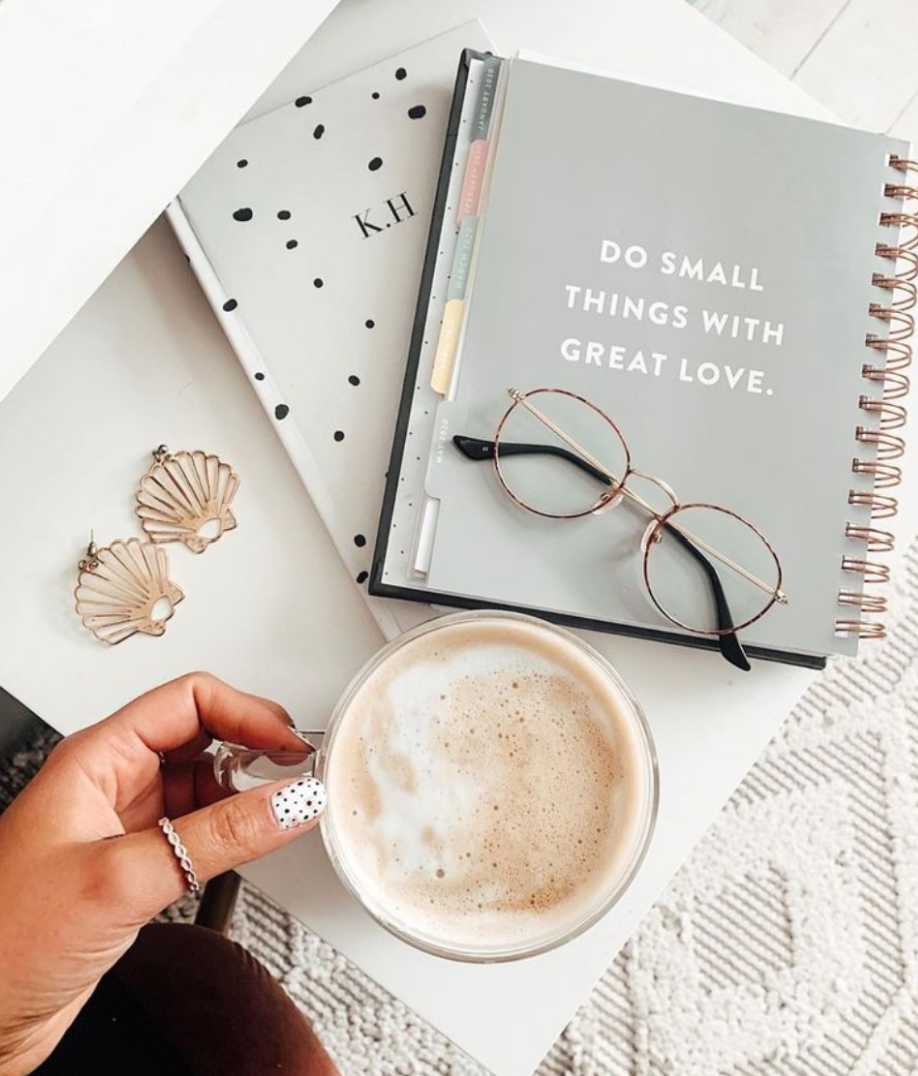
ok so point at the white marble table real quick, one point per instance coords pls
(271, 608)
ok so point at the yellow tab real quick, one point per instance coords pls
(442, 373)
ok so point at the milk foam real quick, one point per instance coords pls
(487, 785)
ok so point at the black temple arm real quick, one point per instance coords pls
(476, 449)
(730, 646)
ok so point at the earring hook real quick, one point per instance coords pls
(90, 562)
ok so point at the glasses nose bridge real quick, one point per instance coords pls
(636, 497)
(653, 532)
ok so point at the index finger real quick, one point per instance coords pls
(188, 712)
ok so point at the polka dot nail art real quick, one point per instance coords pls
(299, 802)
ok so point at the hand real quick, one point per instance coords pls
(85, 865)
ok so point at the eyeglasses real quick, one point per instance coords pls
(705, 568)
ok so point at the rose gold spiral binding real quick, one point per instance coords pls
(897, 254)
(885, 475)
(898, 354)
(906, 221)
(895, 385)
(902, 324)
(870, 603)
(872, 571)
(892, 415)
(899, 190)
(889, 446)
(864, 629)
(898, 280)
(877, 541)
(881, 507)
(894, 284)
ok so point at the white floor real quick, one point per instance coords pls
(854, 56)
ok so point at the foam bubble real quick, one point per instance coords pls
(487, 784)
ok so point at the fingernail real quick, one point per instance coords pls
(298, 802)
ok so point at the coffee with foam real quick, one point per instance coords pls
(490, 786)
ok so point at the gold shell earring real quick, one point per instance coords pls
(187, 497)
(124, 588)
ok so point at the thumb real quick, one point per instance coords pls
(144, 870)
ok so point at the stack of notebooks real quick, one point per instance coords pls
(730, 286)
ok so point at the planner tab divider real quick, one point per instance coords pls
(408, 525)
(461, 262)
(477, 161)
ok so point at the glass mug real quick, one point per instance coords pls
(238, 767)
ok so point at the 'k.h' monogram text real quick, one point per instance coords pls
(394, 210)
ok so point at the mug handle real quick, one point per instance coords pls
(238, 768)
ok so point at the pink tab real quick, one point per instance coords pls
(471, 182)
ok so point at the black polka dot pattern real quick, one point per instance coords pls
(359, 541)
(229, 305)
(375, 164)
(339, 435)
(259, 376)
(417, 112)
(243, 214)
(299, 802)
(283, 214)
(292, 244)
(302, 102)
(370, 323)
(353, 380)
(318, 282)
(243, 163)
(319, 131)
(401, 73)
(281, 412)
(363, 577)
(375, 95)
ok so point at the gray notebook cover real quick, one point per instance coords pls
(780, 217)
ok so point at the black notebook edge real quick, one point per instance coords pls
(376, 586)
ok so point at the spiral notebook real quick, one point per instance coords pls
(731, 286)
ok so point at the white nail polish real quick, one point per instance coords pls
(298, 802)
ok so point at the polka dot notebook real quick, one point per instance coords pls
(307, 230)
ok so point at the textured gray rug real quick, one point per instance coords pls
(787, 944)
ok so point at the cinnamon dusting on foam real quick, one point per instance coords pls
(487, 784)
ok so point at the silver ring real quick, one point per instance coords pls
(181, 854)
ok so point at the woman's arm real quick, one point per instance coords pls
(83, 863)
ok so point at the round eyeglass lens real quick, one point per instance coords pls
(698, 547)
(558, 455)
